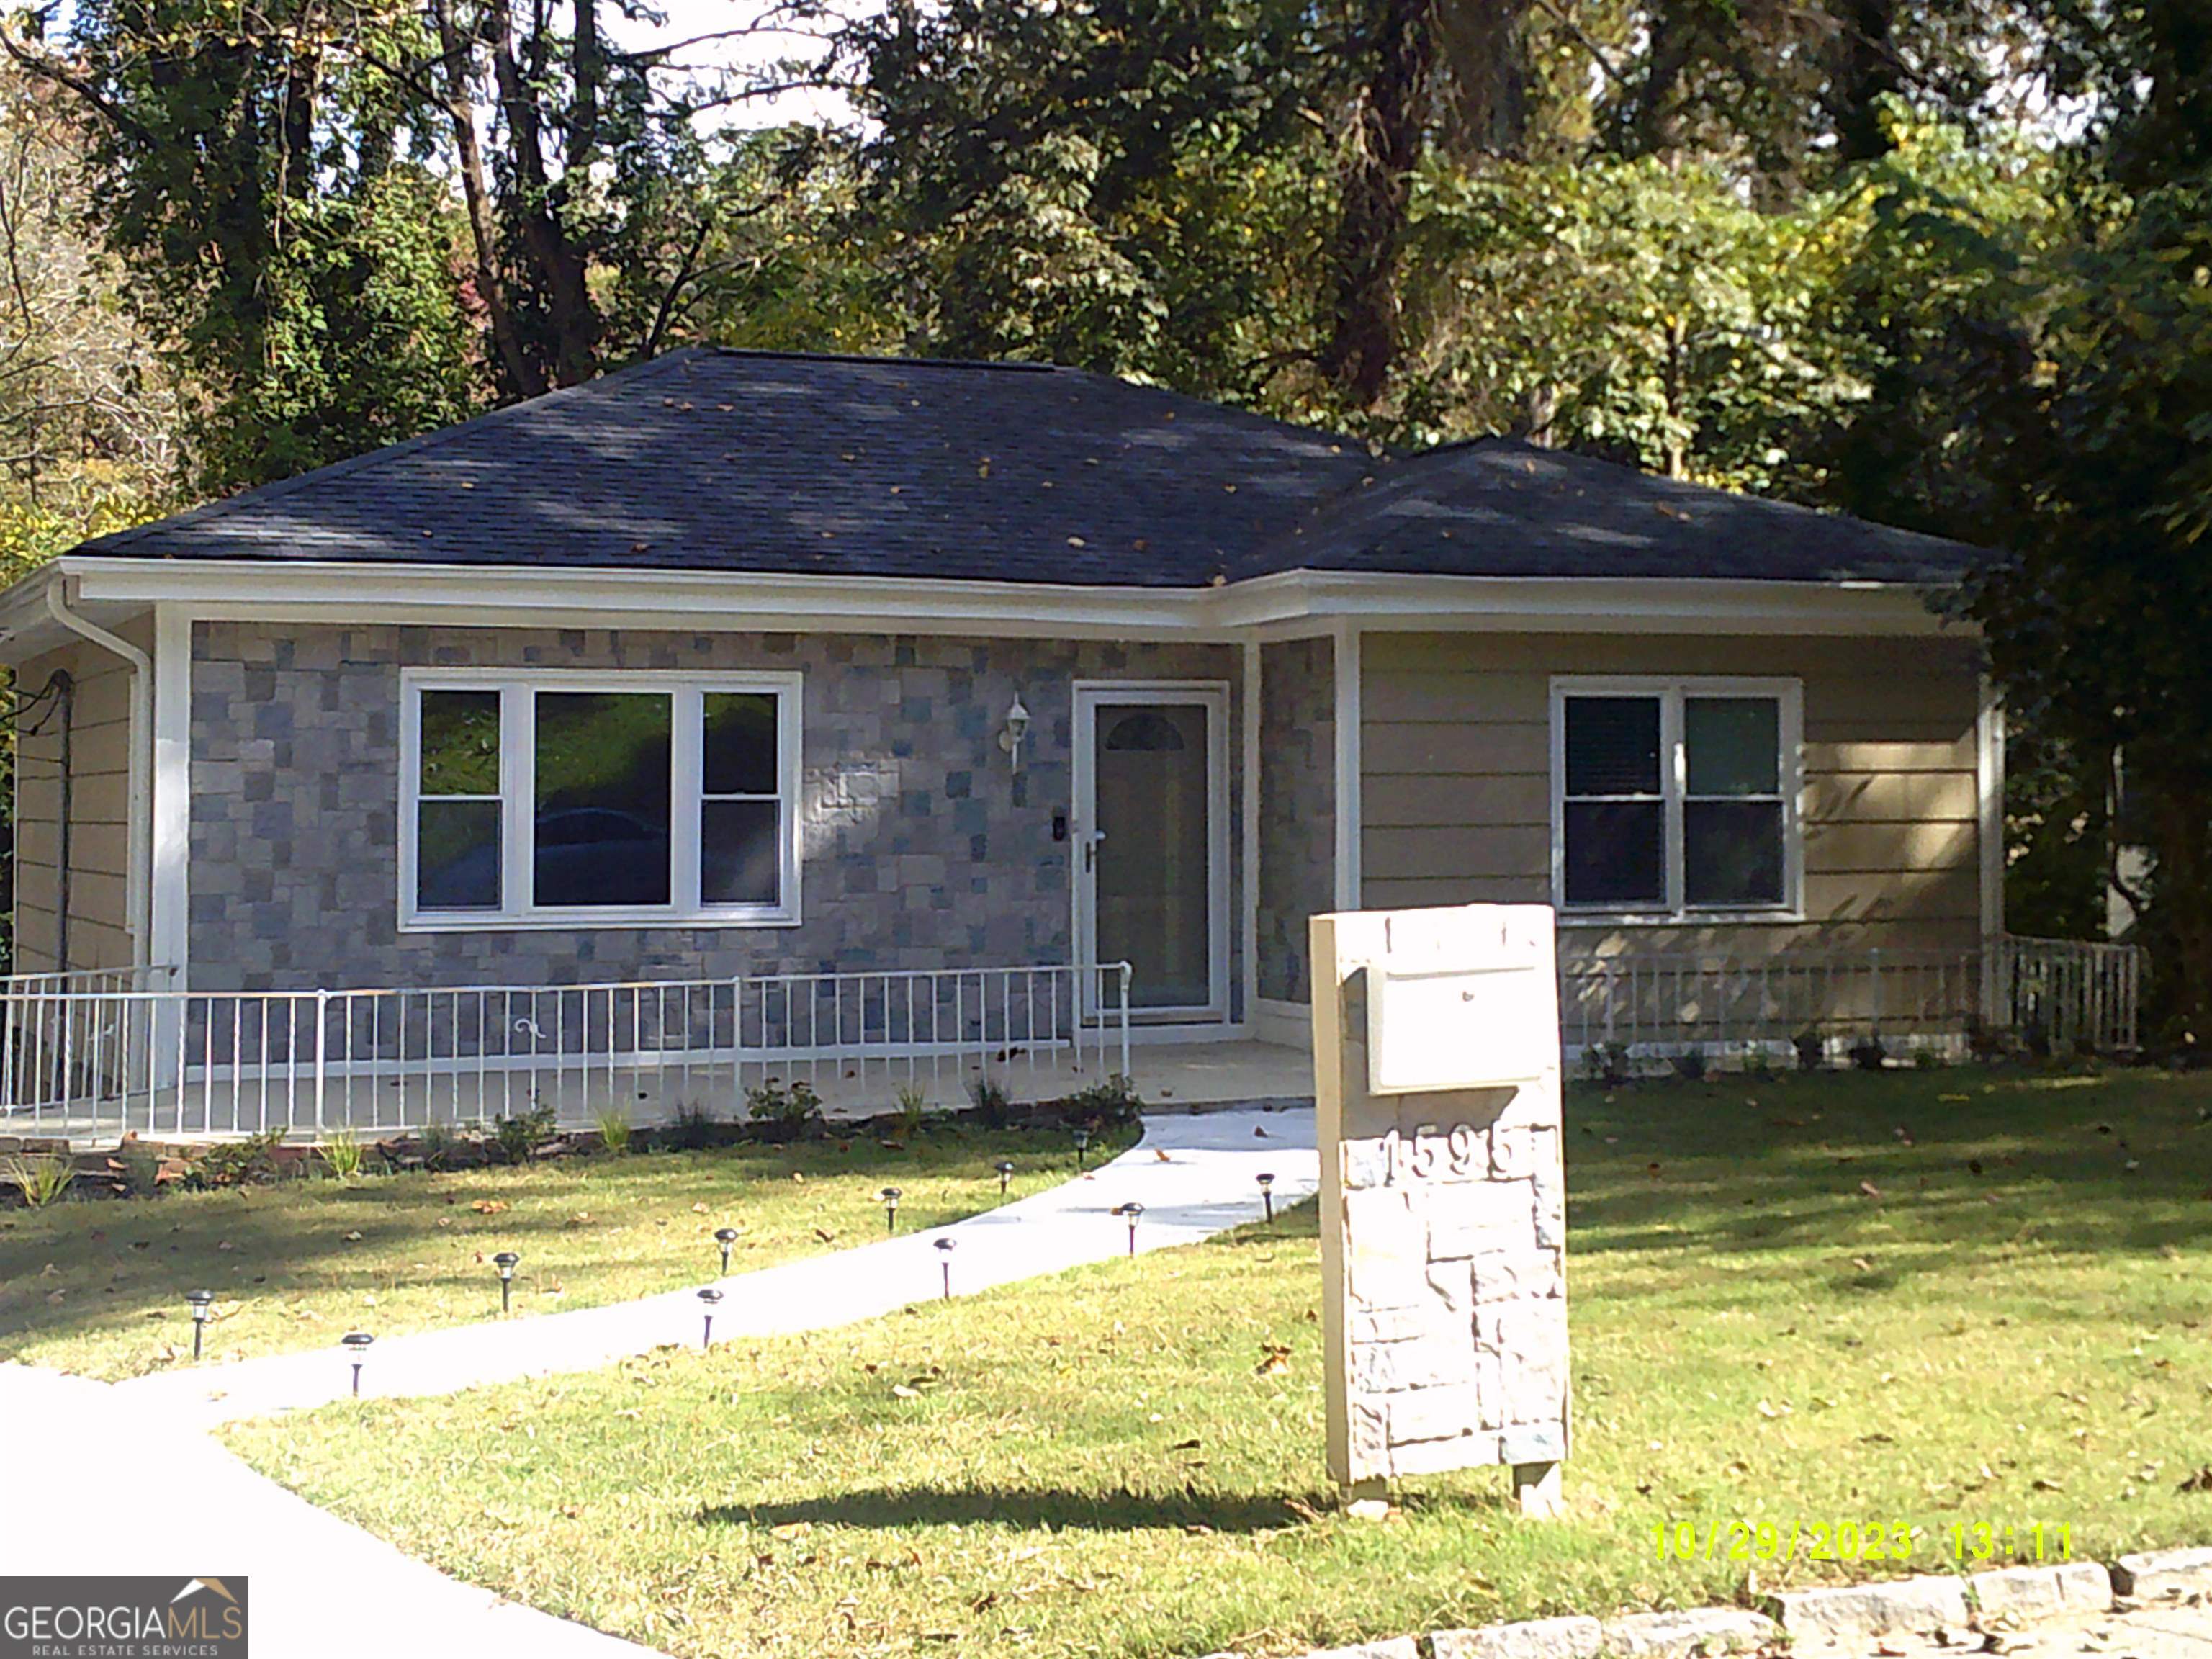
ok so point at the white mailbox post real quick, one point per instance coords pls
(1444, 1203)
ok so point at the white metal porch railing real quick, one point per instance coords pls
(97, 1063)
(2063, 992)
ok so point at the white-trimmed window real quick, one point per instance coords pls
(561, 797)
(1675, 797)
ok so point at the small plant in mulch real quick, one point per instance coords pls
(41, 1177)
(1811, 1049)
(778, 1112)
(342, 1154)
(994, 1106)
(1113, 1101)
(520, 1137)
(913, 1105)
(253, 1161)
(1689, 1065)
(1869, 1056)
(1610, 1064)
(614, 1131)
(1988, 1043)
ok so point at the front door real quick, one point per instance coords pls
(1151, 841)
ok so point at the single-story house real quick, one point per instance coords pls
(739, 665)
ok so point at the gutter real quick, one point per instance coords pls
(137, 883)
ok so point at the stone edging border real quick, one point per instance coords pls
(1829, 1618)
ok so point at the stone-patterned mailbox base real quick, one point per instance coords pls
(1443, 1205)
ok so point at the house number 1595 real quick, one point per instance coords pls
(1459, 1151)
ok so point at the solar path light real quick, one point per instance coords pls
(725, 1237)
(201, 1301)
(1082, 1145)
(1267, 1193)
(356, 1343)
(890, 1198)
(1132, 1210)
(1005, 1174)
(709, 1299)
(945, 1246)
(506, 1261)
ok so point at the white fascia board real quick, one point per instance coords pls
(1286, 605)
(511, 596)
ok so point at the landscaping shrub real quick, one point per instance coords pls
(991, 1101)
(778, 1111)
(439, 1143)
(1113, 1101)
(614, 1131)
(1869, 1056)
(1689, 1065)
(41, 1177)
(1811, 1049)
(235, 1162)
(522, 1135)
(1608, 1063)
(696, 1128)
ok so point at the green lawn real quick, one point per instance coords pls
(1929, 1298)
(98, 1286)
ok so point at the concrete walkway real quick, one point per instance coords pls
(125, 1485)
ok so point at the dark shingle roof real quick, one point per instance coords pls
(729, 460)
(1498, 506)
(716, 459)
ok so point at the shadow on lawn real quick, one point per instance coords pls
(1031, 1508)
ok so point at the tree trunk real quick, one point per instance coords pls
(1867, 70)
(522, 374)
(1655, 123)
(558, 274)
(1389, 130)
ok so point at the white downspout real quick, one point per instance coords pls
(137, 883)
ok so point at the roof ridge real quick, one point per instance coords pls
(878, 359)
(422, 440)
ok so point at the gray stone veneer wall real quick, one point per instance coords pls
(923, 848)
(1297, 807)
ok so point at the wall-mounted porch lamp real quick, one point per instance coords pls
(1017, 728)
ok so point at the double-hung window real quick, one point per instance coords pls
(1675, 799)
(559, 797)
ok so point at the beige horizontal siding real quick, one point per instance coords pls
(100, 790)
(1457, 776)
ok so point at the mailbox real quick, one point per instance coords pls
(1462, 1027)
(1443, 1220)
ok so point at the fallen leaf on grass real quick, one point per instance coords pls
(353, 1237)
(698, 1209)
(1184, 1445)
(490, 1206)
(1869, 1189)
(1274, 1362)
(825, 1236)
(900, 1391)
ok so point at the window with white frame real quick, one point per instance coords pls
(1675, 798)
(557, 798)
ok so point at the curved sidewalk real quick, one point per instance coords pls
(1196, 1176)
(120, 1490)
